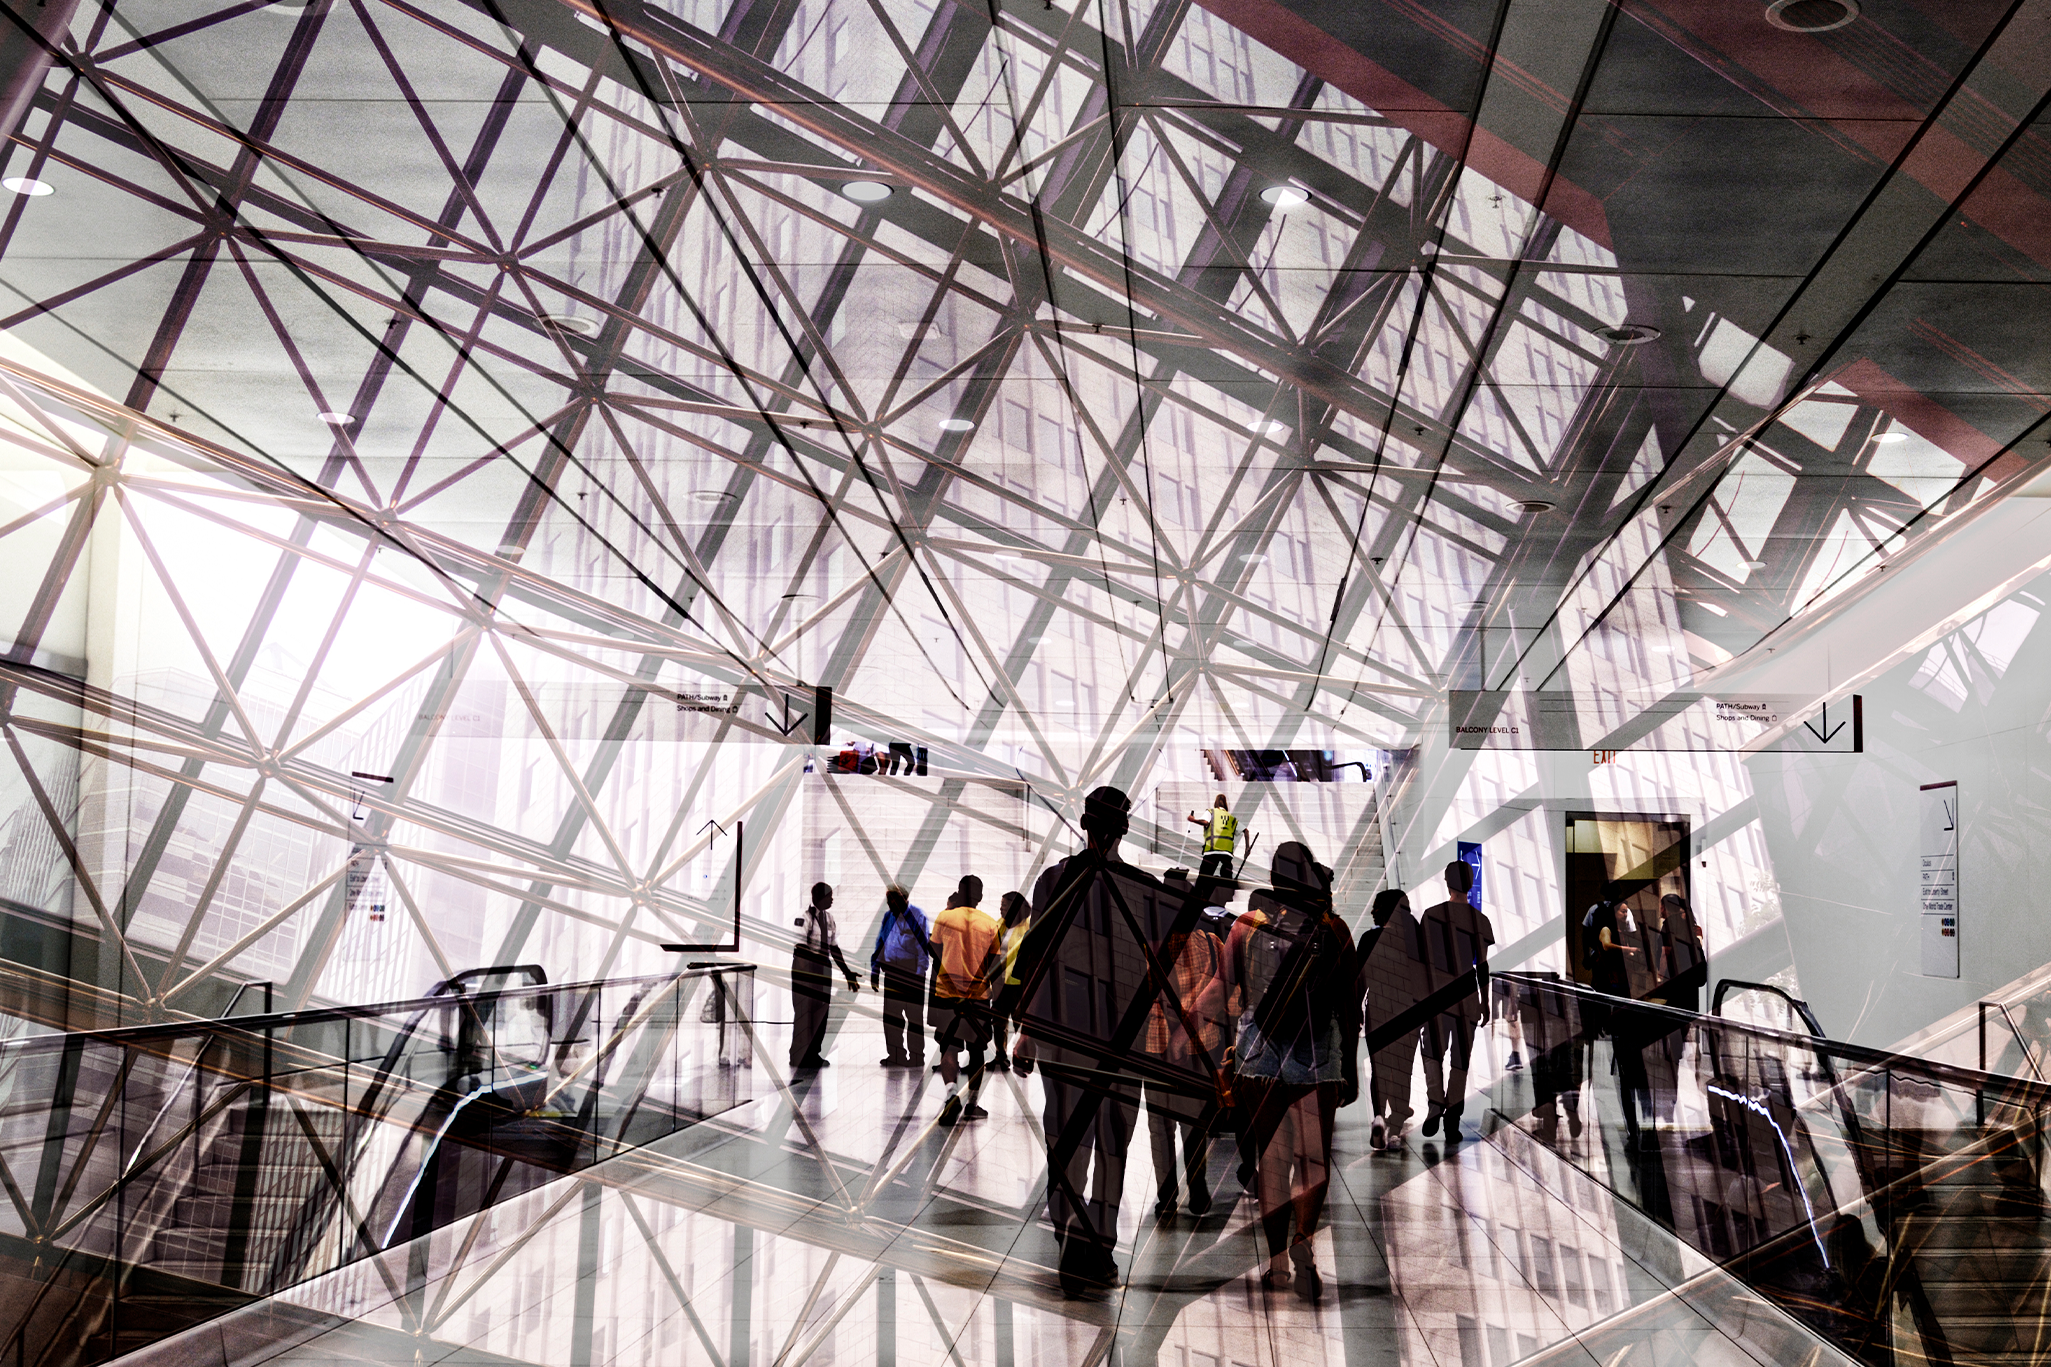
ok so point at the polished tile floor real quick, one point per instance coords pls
(830, 1222)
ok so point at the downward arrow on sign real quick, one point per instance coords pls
(1828, 731)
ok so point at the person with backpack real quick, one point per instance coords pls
(1293, 982)
(1187, 1032)
(1221, 838)
(904, 949)
(1455, 937)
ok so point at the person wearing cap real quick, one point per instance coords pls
(1221, 838)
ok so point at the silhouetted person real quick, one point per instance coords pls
(1016, 914)
(903, 952)
(966, 956)
(1295, 983)
(1551, 1021)
(1392, 982)
(1221, 838)
(1687, 959)
(1607, 935)
(1081, 1004)
(1456, 938)
(1187, 1033)
(811, 979)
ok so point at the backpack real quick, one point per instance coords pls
(1295, 975)
(1591, 937)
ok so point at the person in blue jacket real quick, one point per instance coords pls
(903, 953)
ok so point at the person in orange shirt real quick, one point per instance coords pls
(966, 944)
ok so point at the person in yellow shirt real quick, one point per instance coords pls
(966, 946)
(1221, 838)
(1016, 914)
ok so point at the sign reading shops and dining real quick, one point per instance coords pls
(1593, 720)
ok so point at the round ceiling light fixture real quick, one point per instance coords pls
(337, 419)
(1277, 430)
(712, 496)
(1535, 505)
(1891, 437)
(564, 322)
(1755, 564)
(1628, 334)
(1285, 197)
(956, 425)
(1811, 16)
(866, 191)
(29, 186)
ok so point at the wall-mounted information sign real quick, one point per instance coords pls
(1937, 879)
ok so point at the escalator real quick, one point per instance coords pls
(154, 1178)
(1895, 1206)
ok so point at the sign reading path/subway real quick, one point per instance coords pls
(1937, 879)
(1606, 723)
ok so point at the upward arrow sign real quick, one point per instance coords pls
(1828, 730)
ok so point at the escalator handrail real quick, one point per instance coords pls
(1968, 1079)
(1801, 1008)
(285, 1020)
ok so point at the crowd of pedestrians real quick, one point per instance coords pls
(1123, 989)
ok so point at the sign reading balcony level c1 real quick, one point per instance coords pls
(1603, 723)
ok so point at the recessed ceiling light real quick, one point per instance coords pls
(1711, 607)
(1891, 437)
(866, 191)
(712, 496)
(1755, 564)
(1285, 197)
(511, 548)
(25, 185)
(1274, 429)
(1628, 334)
(337, 419)
(1535, 505)
(956, 425)
(563, 322)
(1811, 16)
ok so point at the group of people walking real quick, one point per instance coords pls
(1125, 989)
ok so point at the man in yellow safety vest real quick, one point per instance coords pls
(1221, 838)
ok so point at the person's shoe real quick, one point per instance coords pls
(1001, 1064)
(1164, 1210)
(1573, 1122)
(1378, 1134)
(1516, 1061)
(950, 1114)
(1199, 1202)
(975, 1113)
(818, 1063)
(918, 1061)
(1431, 1121)
(1273, 1279)
(1309, 1284)
(1452, 1124)
(890, 1063)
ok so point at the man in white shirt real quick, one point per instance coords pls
(811, 979)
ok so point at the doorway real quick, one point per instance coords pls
(1634, 858)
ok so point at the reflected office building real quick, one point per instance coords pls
(1022, 683)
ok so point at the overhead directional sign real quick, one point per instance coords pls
(1591, 720)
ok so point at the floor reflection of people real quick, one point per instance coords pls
(1080, 1005)
(811, 979)
(1294, 983)
(1456, 937)
(1551, 1023)
(899, 962)
(1392, 983)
